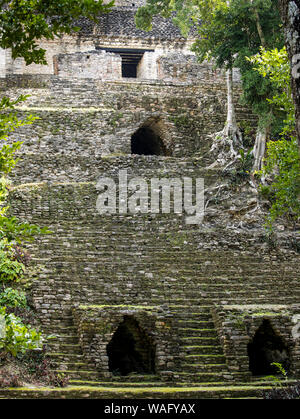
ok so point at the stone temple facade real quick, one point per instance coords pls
(145, 301)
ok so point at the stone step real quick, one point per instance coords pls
(100, 298)
(133, 378)
(196, 310)
(61, 320)
(177, 290)
(115, 233)
(203, 377)
(67, 339)
(195, 324)
(72, 366)
(159, 297)
(166, 286)
(190, 260)
(116, 384)
(64, 348)
(78, 374)
(204, 358)
(193, 351)
(280, 300)
(57, 329)
(59, 357)
(176, 286)
(113, 242)
(196, 259)
(144, 253)
(193, 317)
(196, 367)
(117, 298)
(76, 252)
(142, 381)
(188, 332)
(222, 391)
(199, 340)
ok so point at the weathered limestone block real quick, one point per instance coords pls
(92, 64)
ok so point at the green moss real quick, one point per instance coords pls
(96, 307)
(116, 117)
(198, 347)
(181, 121)
(164, 390)
(269, 314)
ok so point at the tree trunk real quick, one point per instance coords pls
(262, 133)
(231, 128)
(259, 29)
(290, 14)
(259, 147)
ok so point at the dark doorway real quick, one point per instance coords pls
(266, 348)
(146, 142)
(130, 350)
(130, 59)
(129, 70)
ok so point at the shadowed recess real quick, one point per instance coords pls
(130, 350)
(266, 348)
(145, 141)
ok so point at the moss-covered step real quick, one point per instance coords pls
(194, 351)
(94, 392)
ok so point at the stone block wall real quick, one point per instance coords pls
(169, 67)
(65, 45)
(92, 65)
(237, 325)
(177, 66)
(116, 29)
(89, 117)
(155, 266)
(147, 67)
(96, 326)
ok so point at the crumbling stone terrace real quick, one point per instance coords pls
(144, 305)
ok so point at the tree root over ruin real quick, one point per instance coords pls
(226, 145)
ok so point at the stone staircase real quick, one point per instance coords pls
(77, 267)
(142, 260)
(83, 133)
(203, 358)
(82, 263)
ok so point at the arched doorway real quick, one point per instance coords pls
(266, 348)
(130, 350)
(147, 141)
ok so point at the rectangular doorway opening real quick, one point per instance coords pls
(130, 59)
